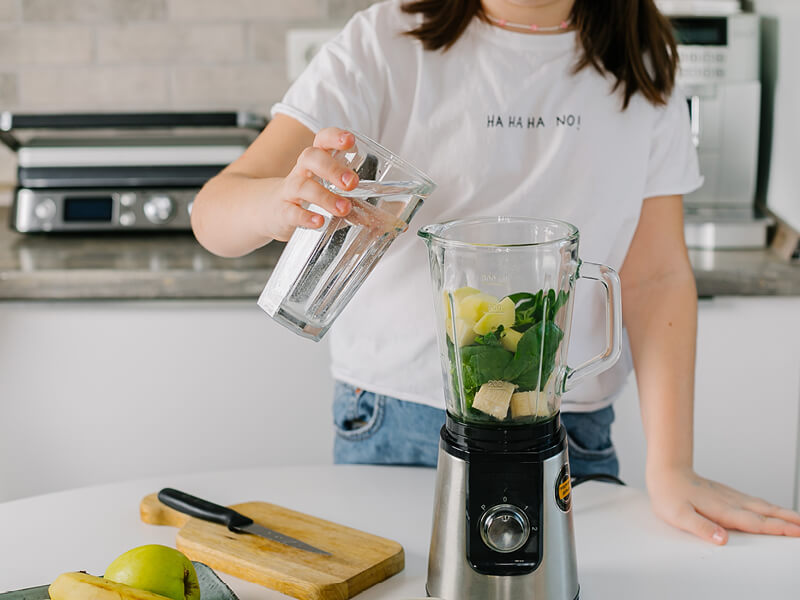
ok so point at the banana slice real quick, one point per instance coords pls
(493, 398)
(523, 404)
(531, 404)
(82, 586)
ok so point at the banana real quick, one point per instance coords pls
(522, 404)
(532, 404)
(493, 398)
(82, 586)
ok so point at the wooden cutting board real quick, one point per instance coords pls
(358, 560)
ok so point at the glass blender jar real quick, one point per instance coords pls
(503, 292)
(504, 295)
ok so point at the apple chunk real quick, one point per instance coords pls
(458, 296)
(473, 307)
(464, 335)
(495, 315)
(510, 339)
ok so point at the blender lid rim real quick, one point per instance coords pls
(431, 232)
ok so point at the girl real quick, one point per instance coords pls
(556, 108)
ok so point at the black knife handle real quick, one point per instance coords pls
(203, 509)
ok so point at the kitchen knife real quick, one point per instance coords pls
(236, 522)
(33, 593)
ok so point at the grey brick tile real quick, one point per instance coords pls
(238, 10)
(94, 88)
(93, 10)
(45, 45)
(10, 10)
(171, 43)
(237, 87)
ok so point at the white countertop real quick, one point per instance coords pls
(624, 551)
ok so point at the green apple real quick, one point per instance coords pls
(158, 569)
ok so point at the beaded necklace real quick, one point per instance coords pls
(531, 27)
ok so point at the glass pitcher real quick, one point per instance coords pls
(320, 270)
(503, 291)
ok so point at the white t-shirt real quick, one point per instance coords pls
(504, 127)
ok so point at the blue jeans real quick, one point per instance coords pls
(376, 429)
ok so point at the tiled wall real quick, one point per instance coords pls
(84, 55)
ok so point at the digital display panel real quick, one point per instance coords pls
(708, 31)
(94, 209)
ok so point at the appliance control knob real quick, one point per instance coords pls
(127, 219)
(504, 528)
(159, 209)
(45, 210)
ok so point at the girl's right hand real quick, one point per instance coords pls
(302, 186)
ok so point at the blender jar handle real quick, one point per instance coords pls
(610, 280)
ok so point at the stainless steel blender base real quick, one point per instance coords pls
(428, 594)
(451, 577)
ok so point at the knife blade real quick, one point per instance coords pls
(39, 592)
(234, 521)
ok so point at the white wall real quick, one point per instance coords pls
(94, 392)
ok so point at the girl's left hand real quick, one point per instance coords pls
(706, 508)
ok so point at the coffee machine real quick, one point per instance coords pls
(719, 72)
(503, 291)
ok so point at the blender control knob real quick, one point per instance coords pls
(159, 209)
(504, 528)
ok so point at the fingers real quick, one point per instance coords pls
(314, 193)
(297, 216)
(751, 522)
(768, 521)
(689, 520)
(333, 138)
(303, 185)
(311, 192)
(316, 161)
(752, 515)
(770, 510)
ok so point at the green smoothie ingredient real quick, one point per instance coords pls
(505, 348)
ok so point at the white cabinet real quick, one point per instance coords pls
(94, 392)
(747, 404)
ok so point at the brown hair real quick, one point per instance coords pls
(630, 39)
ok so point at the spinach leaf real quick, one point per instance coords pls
(470, 386)
(490, 339)
(537, 346)
(485, 363)
(527, 308)
(534, 308)
(519, 296)
(556, 304)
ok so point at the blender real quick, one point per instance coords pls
(503, 291)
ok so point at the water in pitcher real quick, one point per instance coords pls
(321, 269)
